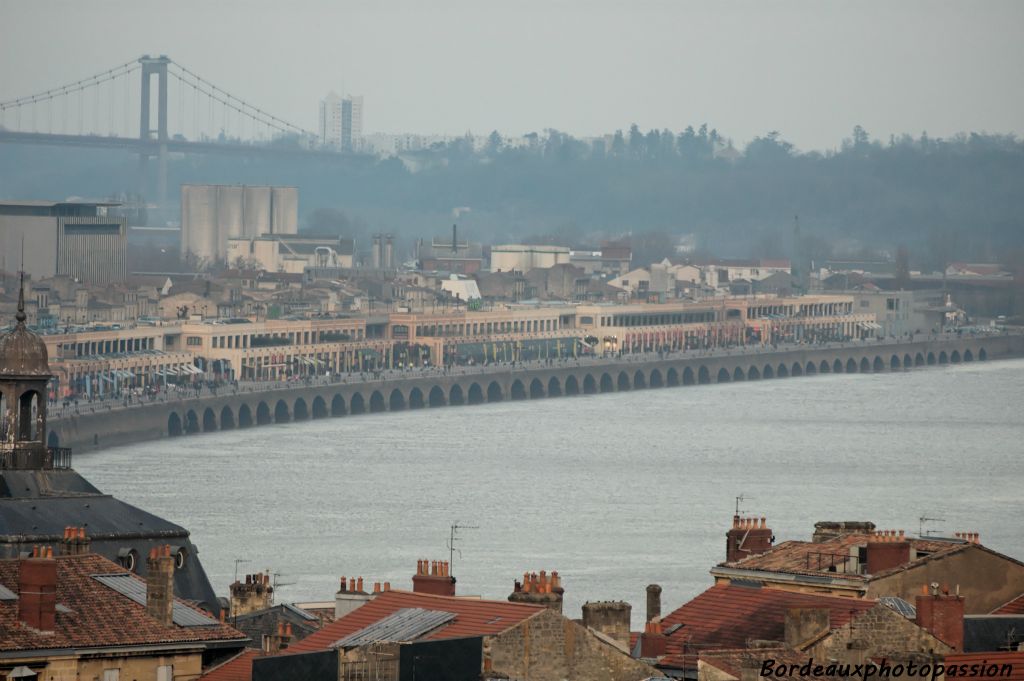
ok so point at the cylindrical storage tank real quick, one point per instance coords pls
(284, 210)
(229, 217)
(199, 220)
(256, 215)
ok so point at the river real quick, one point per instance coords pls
(615, 491)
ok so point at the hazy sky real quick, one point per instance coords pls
(809, 69)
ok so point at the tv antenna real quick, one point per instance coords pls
(739, 500)
(277, 583)
(452, 538)
(239, 561)
(921, 522)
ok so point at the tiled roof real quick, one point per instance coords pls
(815, 558)
(1014, 660)
(96, 615)
(1014, 607)
(473, 617)
(238, 668)
(733, 660)
(727, 617)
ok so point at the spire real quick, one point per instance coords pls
(20, 316)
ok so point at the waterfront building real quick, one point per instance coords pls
(81, 240)
(211, 214)
(68, 613)
(41, 496)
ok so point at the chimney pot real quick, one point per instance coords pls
(359, 584)
(387, 586)
(376, 587)
(37, 597)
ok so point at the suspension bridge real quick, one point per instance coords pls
(182, 112)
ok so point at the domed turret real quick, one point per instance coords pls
(22, 353)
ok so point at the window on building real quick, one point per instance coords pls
(111, 675)
(193, 340)
(865, 303)
(165, 672)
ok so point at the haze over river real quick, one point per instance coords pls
(615, 491)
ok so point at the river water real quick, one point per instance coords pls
(615, 491)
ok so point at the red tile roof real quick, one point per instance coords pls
(473, 617)
(99, 616)
(1014, 607)
(732, 661)
(1014, 660)
(238, 668)
(727, 616)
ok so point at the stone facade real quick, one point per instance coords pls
(550, 647)
(878, 633)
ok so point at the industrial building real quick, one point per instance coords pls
(523, 258)
(74, 239)
(290, 253)
(213, 214)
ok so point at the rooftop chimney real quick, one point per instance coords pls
(160, 585)
(653, 642)
(351, 595)
(75, 541)
(37, 590)
(610, 618)
(278, 641)
(539, 589)
(432, 578)
(887, 549)
(942, 615)
(747, 537)
(255, 594)
(653, 602)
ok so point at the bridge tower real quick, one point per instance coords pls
(154, 66)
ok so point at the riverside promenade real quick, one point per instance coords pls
(99, 425)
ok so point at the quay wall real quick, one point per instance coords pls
(108, 427)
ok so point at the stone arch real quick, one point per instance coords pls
(837, 366)
(357, 404)
(738, 375)
(851, 366)
(894, 362)
(954, 357)
(191, 423)
(281, 414)
(639, 380)
(416, 398)
(968, 355)
(622, 383)
(753, 374)
(396, 401)
(656, 380)
(555, 387)
(516, 392)
(435, 398)
(723, 376)
(943, 358)
(797, 370)
(825, 367)
(672, 377)
(783, 371)
(982, 355)
(319, 407)
(476, 394)
(572, 385)
(865, 365)
(52, 439)
(918, 360)
(703, 376)
(227, 418)
(299, 410)
(607, 385)
(931, 358)
(536, 389)
(26, 422)
(768, 372)
(209, 421)
(811, 369)
(377, 403)
(589, 385)
(174, 428)
(244, 416)
(878, 364)
(908, 361)
(262, 414)
(456, 398)
(337, 406)
(494, 392)
(688, 377)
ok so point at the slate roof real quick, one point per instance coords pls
(95, 615)
(473, 617)
(992, 632)
(727, 617)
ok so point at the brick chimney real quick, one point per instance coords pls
(610, 618)
(254, 594)
(942, 615)
(75, 541)
(653, 602)
(276, 642)
(37, 590)
(160, 585)
(432, 577)
(350, 595)
(747, 537)
(804, 625)
(539, 589)
(653, 642)
(887, 549)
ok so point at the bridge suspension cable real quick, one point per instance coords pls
(77, 86)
